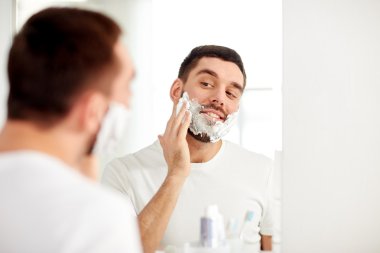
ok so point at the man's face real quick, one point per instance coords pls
(217, 85)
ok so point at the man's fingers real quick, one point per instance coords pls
(169, 125)
(174, 111)
(182, 132)
(180, 117)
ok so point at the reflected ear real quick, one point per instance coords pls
(176, 90)
(94, 108)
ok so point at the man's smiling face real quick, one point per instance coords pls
(217, 85)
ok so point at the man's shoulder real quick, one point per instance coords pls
(105, 214)
(238, 152)
(249, 164)
(145, 157)
(61, 185)
(106, 201)
(60, 200)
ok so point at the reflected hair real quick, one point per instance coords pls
(223, 53)
(58, 54)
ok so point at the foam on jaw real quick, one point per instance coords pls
(201, 125)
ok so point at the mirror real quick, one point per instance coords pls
(160, 34)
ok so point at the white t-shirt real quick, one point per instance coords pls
(235, 179)
(46, 206)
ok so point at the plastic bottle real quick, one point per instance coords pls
(210, 227)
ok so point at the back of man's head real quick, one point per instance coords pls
(58, 54)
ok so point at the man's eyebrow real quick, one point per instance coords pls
(213, 73)
(207, 71)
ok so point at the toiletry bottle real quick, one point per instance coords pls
(210, 227)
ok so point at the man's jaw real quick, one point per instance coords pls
(202, 137)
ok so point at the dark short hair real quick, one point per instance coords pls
(59, 53)
(223, 53)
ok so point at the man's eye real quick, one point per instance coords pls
(205, 84)
(230, 94)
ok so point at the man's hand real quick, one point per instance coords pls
(174, 144)
(155, 216)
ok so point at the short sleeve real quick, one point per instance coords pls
(115, 178)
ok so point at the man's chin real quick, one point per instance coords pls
(202, 137)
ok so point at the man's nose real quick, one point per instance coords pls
(218, 97)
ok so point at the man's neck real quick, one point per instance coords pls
(20, 135)
(201, 152)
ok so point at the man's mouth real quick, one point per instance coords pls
(213, 115)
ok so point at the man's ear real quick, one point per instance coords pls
(176, 90)
(92, 109)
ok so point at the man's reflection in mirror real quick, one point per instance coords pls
(190, 166)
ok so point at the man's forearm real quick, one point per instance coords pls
(154, 218)
(266, 242)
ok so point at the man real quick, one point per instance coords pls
(172, 181)
(65, 68)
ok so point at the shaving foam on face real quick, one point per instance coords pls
(200, 125)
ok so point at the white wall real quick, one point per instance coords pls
(252, 28)
(331, 131)
(5, 40)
